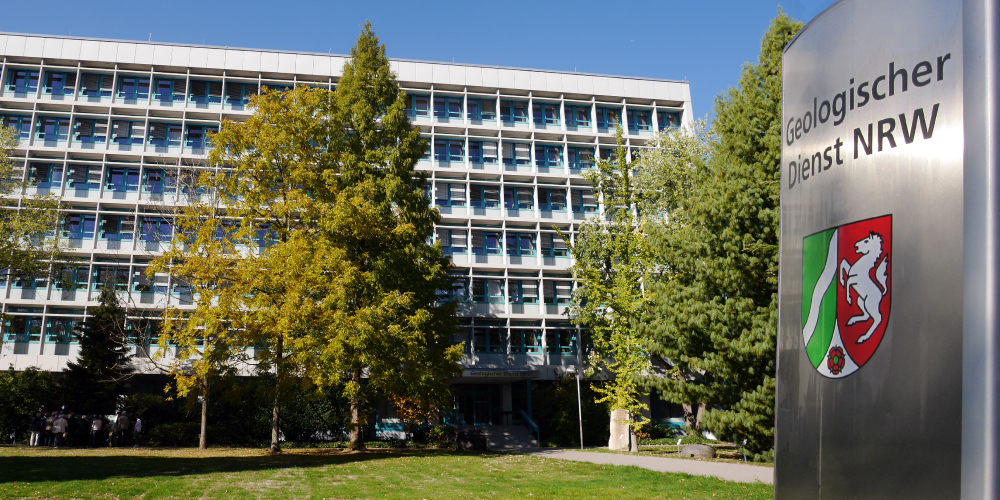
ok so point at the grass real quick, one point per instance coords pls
(729, 455)
(29, 473)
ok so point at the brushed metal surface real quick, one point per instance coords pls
(981, 359)
(893, 428)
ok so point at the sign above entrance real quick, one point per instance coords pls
(507, 375)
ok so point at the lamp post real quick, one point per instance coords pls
(579, 405)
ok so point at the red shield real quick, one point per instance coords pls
(864, 285)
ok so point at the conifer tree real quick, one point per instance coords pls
(94, 382)
(390, 334)
(714, 311)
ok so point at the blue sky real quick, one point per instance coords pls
(704, 42)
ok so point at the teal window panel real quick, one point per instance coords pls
(608, 118)
(640, 120)
(133, 87)
(525, 340)
(482, 109)
(580, 158)
(667, 120)
(577, 116)
(22, 81)
(545, 113)
(487, 242)
(484, 196)
(552, 199)
(514, 111)
(518, 198)
(165, 134)
(122, 179)
(552, 245)
(60, 83)
(583, 201)
(447, 107)
(128, 132)
(449, 150)
(489, 336)
(20, 123)
(91, 130)
(418, 105)
(484, 152)
(52, 128)
(117, 227)
(447, 194)
(239, 93)
(156, 229)
(520, 244)
(548, 156)
(46, 175)
(169, 89)
(197, 135)
(78, 226)
(96, 85)
(205, 92)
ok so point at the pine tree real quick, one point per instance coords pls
(714, 318)
(390, 334)
(95, 381)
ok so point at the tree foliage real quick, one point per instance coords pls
(610, 265)
(22, 394)
(714, 314)
(94, 382)
(25, 221)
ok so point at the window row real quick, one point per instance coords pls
(542, 113)
(69, 277)
(101, 130)
(529, 338)
(459, 194)
(51, 176)
(497, 242)
(517, 153)
(136, 87)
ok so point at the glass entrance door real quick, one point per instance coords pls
(475, 407)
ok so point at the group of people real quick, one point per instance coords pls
(59, 429)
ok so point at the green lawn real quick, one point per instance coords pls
(250, 473)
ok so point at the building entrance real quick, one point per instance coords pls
(475, 407)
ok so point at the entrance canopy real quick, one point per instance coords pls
(496, 375)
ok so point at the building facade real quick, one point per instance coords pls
(114, 128)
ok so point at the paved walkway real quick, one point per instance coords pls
(730, 472)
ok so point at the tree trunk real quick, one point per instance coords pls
(699, 416)
(203, 438)
(356, 442)
(275, 445)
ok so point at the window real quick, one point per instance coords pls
(60, 83)
(639, 120)
(122, 179)
(487, 291)
(78, 226)
(521, 244)
(577, 116)
(447, 107)
(581, 158)
(153, 181)
(417, 105)
(523, 291)
(133, 87)
(484, 196)
(552, 245)
(155, 229)
(457, 290)
(561, 339)
(482, 109)
(239, 94)
(482, 152)
(552, 199)
(609, 154)
(170, 89)
(52, 128)
(91, 130)
(489, 337)
(548, 156)
(114, 276)
(518, 198)
(71, 278)
(21, 123)
(97, 85)
(46, 175)
(165, 134)
(545, 113)
(514, 111)
(608, 117)
(275, 87)
(23, 329)
(127, 132)
(60, 330)
(449, 194)
(22, 81)
(84, 177)
(449, 150)
(197, 136)
(525, 339)
(516, 153)
(668, 119)
(117, 227)
(558, 292)
(583, 201)
(486, 242)
(205, 92)
(453, 240)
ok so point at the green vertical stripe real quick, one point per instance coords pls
(814, 257)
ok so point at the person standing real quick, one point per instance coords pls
(36, 426)
(123, 428)
(137, 430)
(95, 430)
(70, 433)
(47, 436)
(59, 427)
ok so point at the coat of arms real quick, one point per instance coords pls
(846, 286)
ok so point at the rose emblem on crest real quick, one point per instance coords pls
(835, 360)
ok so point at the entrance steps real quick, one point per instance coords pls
(508, 437)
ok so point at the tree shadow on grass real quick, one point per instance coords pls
(88, 465)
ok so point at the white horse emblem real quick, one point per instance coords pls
(858, 278)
